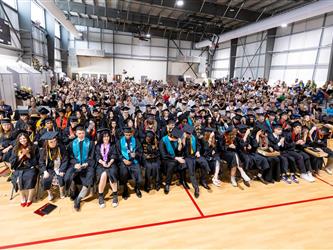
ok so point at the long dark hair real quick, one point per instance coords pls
(18, 145)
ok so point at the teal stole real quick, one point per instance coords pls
(168, 145)
(85, 150)
(125, 150)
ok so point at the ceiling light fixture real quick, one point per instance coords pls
(148, 35)
(179, 3)
(284, 25)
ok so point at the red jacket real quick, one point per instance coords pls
(64, 122)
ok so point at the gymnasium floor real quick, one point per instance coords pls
(278, 216)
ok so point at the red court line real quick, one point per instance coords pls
(160, 223)
(324, 181)
(195, 204)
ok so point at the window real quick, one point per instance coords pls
(37, 14)
(57, 29)
(11, 3)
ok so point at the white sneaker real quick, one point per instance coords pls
(233, 181)
(306, 177)
(312, 179)
(245, 177)
(50, 197)
(216, 182)
(329, 171)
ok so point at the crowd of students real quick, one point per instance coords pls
(87, 133)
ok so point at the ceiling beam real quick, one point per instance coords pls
(131, 28)
(134, 17)
(208, 8)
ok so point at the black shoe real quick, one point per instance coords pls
(247, 183)
(167, 189)
(101, 202)
(196, 192)
(77, 205)
(125, 194)
(73, 195)
(9, 179)
(147, 188)
(205, 185)
(262, 180)
(158, 187)
(185, 185)
(138, 192)
(115, 200)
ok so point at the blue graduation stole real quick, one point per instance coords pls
(125, 150)
(168, 145)
(269, 125)
(85, 148)
(189, 121)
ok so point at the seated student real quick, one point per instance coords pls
(61, 120)
(53, 162)
(68, 134)
(48, 126)
(24, 160)
(130, 153)
(229, 154)
(171, 154)
(106, 168)
(209, 151)
(273, 172)
(293, 138)
(22, 123)
(151, 161)
(7, 139)
(287, 162)
(318, 139)
(81, 166)
(191, 150)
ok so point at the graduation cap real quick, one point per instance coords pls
(188, 129)
(177, 133)
(73, 119)
(34, 117)
(138, 111)
(23, 112)
(150, 134)
(238, 110)
(47, 119)
(260, 127)
(125, 108)
(295, 116)
(296, 124)
(277, 125)
(2, 112)
(21, 132)
(283, 112)
(271, 113)
(242, 127)
(103, 131)
(210, 130)
(261, 114)
(127, 130)
(182, 117)
(159, 104)
(43, 111)
(5, 121)
(325, 130)
(229, 129)
(237, 117)
(251, 116)
(49, 135)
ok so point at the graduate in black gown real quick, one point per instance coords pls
(81, 166)
(24, 161)
(106, 156)
(130, 153)
(53, 163)
(151, 161)
(7, 139)
(191, 149)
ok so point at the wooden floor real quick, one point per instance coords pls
(278, 216)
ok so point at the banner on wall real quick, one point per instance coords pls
(4, 32)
